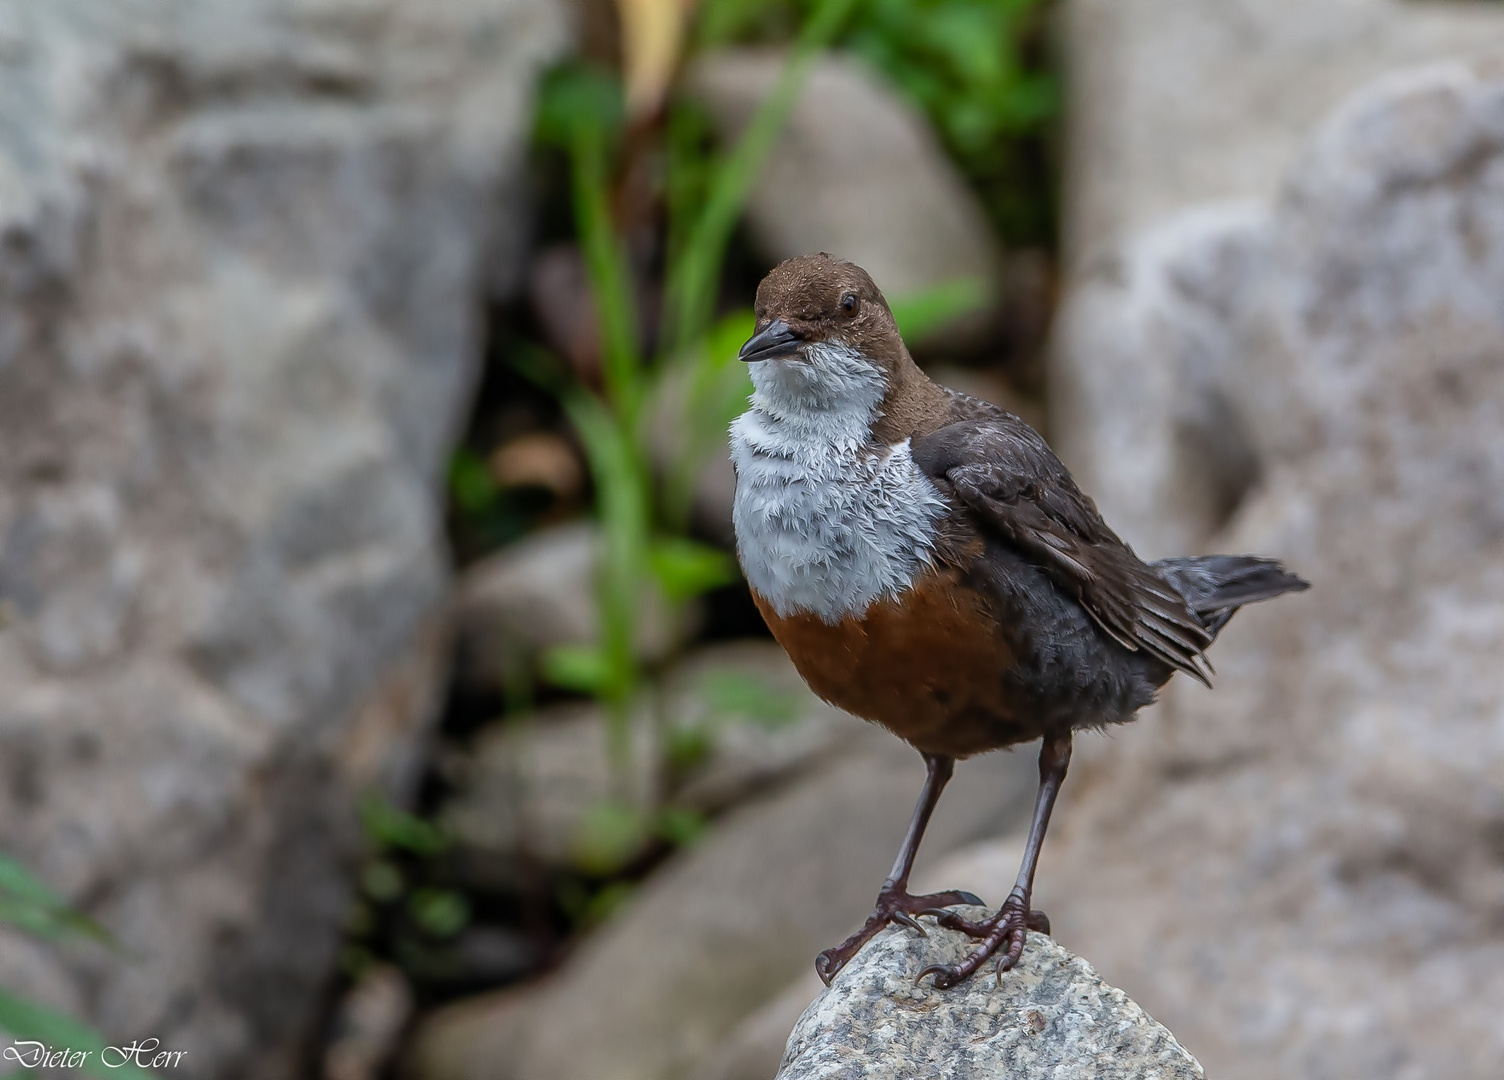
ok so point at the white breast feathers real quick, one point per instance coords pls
(825, 522)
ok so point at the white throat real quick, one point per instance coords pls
(826, 523)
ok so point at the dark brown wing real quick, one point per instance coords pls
(1002, 470)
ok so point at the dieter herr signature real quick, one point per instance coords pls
(142, 1053)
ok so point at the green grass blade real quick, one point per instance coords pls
(693, 279)
(27, 903)
(716, 387)
(609, 272)
(624, 503)
(923, 312)
(581, 668)
(392, 827)
(686, 569)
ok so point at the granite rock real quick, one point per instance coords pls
(1051, 1017)
(1299, 872)
(1185, 116)
(245, 248)
(1175, 103)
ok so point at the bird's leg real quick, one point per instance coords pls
(1014, 919)
(894, 904)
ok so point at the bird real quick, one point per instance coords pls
(930, 565)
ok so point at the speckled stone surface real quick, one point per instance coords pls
(1051, 1016)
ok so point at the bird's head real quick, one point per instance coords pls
(825, 338)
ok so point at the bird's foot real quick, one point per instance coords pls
(894, 904)
(1010, 925)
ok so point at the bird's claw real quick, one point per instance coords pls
(908, 920)
(893, 905)
(952, 921)
(937, 970)
(1011, 925)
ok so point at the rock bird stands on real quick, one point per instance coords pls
(929, 564)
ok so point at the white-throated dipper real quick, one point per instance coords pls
(929, 564)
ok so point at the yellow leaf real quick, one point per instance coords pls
(652, 35)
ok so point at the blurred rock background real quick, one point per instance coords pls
(244, 248)
(374, 674)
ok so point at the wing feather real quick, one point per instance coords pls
(1002, 470)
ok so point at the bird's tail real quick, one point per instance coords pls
(1215, 586)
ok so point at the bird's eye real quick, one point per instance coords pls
(849, 303)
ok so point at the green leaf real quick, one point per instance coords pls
(21, 884)
(725, 338)
(680, 825)
(731, 693)
(28, 1022)
(440, 912)
(382, 881)
(686, 568)
(609, 270)
(721, 384)
(576, 98)
(584, 669)
(580, 110)
(928, 310)
(392, 827)
(605, 902)
(622, 494)
(32, 907)
(609, 836)
(586, 908)
(685, 746)
(471, 484)
(718, 386)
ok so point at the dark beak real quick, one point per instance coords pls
(775, 340)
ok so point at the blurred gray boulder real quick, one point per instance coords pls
(1179, 102)
(527, 788)
(1051, 1018)
(540, 592)
(1300, 873)
(1184, 116)
(858, 172)
(245, 247)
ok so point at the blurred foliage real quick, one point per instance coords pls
(728, 695)
(27, 904)
(31, 907)
(391, 828)
(736, 694)
(588, 907)
(920, 314)
(653, 204)
(599, 125)
(400, 910)
(486, 516)
(978, 68)
(678, 387)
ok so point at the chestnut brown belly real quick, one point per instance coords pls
(930, 665)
